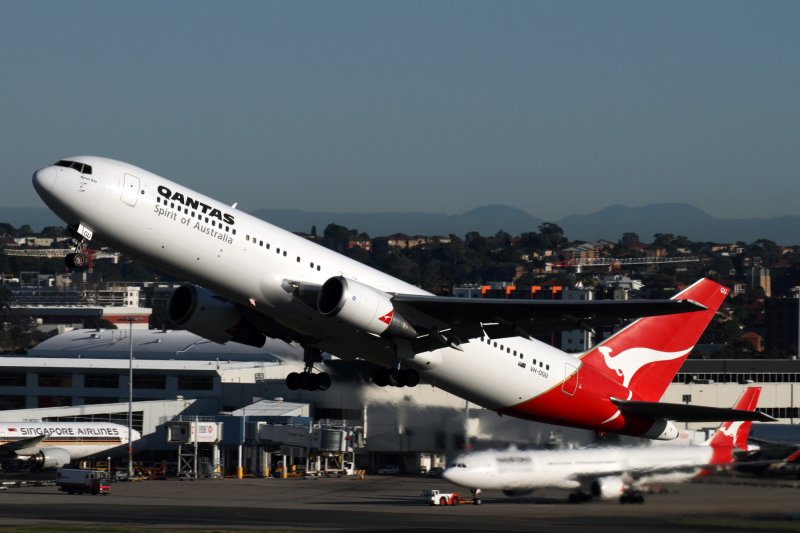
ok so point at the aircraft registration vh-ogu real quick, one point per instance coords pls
(602, 472)
(56, 444)
(255, 280)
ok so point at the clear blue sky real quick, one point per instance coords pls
(553, 107)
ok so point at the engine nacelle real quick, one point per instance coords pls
(661, 430)
(206, 314)
(363, 307)
(52, 458)
(607, 487)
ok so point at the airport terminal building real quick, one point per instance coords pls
(83, 375)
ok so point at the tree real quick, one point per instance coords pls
(553, 236)
(18, 332)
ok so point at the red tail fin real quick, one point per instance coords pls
(734, 434)
(647, 354)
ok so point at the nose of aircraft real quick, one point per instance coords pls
(44, 181)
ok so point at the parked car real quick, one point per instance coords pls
(388, 470)
(436, 471)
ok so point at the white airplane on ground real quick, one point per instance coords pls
(260, 280)
(604, 472)
(55, 444)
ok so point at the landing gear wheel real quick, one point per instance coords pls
(323, 381)
(411, 377)
(75, 260)
(397, 377)
(305, 381)
(293, 381)
(381, 377)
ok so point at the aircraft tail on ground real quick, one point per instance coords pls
(646, 355)
(732, 435)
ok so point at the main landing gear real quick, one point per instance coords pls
(307, 380)
(396, 377)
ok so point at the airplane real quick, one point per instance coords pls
(602, 472)
(254, 280)
(48, 445)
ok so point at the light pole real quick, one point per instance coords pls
(130, 320)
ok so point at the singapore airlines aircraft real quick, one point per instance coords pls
(254, 279)
(603, 472)
(56, 444)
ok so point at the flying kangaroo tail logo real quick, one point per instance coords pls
(627, 363)
(730, 430)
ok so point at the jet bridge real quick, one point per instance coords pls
(188, 435)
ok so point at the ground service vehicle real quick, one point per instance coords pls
(434, 497)
(78, 481)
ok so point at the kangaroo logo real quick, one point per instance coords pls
(627, 363)
(732, 429)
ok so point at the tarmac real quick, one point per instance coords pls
(393, 503)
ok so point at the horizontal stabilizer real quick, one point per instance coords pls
(688, 413)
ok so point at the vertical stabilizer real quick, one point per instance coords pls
(732, 435)
(647, 354)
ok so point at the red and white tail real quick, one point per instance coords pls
(646, 355)
(732, 435)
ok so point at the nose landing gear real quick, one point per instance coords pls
(80, 235)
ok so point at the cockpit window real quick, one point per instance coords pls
(80, 167)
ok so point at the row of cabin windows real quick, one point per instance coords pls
(200, 218)
(488, 341)
(262, 244)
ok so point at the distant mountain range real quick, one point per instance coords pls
(609, 223)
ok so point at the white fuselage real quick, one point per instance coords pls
(80, 439)
(569, 469)
(248, 261)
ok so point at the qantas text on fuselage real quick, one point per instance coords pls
(254, 279)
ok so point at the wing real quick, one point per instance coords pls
(688, 413)
(438, 321)
(459, 319)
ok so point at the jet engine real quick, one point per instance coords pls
(661, 430)
(208, 315)
(362, 307)
(607, 487)
(51, 458)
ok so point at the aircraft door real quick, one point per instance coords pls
(570, 384)
(130, 189)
